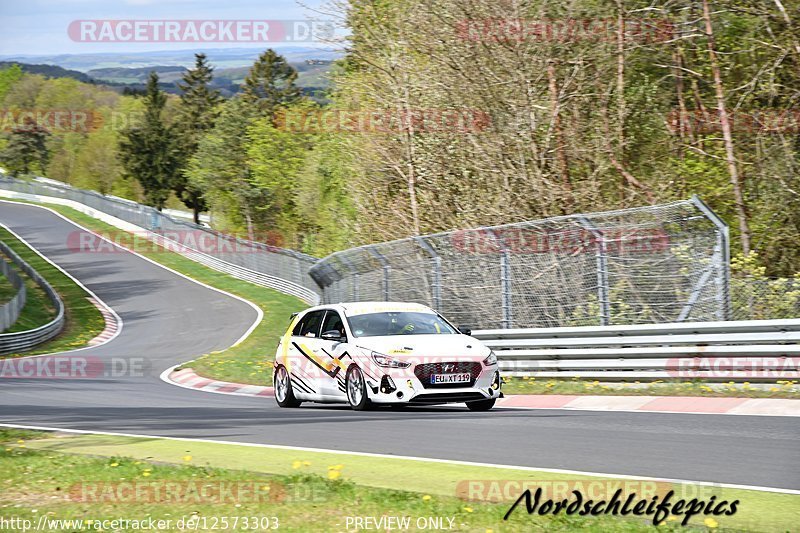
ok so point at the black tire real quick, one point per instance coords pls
(356, 387)
(284, 397)
(481, 405)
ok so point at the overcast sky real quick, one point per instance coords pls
(39, 27)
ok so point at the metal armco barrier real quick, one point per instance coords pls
(9, 311)
(752, 350)
(25, 340)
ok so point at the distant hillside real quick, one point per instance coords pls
(51, 71)
(312, 76)
(219, 57)
(166, 74)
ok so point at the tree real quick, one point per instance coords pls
(221, 170)
(149, 151)
(196, 114)
(26, 148)
(727, 135)
(276, 157)
(8, 77)
(97, 165)
(270, 83)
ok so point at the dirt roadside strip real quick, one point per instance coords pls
(187, 378)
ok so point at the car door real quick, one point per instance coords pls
(305, 369)
(333, 351)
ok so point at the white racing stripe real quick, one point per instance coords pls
(412, 458)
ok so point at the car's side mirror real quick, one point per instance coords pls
(332, 335)
(465, 330)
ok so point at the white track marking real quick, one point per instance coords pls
(598, 410)
(411, 458)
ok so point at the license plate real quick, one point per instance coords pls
(450, 378)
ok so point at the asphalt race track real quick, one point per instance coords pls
(169, 319)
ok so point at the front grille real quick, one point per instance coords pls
(425, 371)
(447, 397)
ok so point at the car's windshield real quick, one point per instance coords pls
(399, 323)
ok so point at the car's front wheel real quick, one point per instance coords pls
(357, 389)
(481, 405)
(284, 394)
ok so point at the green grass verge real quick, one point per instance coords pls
(321, 489)
(246, 362)
(83, 319)
(521, 385)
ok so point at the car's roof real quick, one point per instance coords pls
(361, 308)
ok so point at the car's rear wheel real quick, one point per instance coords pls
(356, 387)
(284, 394)
(481, 405)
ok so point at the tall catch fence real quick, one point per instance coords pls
(285, 270)
(662, 263)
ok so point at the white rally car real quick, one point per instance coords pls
(370, 353)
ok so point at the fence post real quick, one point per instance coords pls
(351, 267)
(601, 265)
(436, 272)
(721, 260)
(505, 280)
(386, 270)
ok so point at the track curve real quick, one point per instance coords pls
(169, 319)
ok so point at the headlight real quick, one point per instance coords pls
(491, 360)
(387, 362)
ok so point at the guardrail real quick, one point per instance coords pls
(9, 311)
(25, 340)
(751, 350)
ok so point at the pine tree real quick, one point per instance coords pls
(149, 151)
(270, 83)
(27, 145)
(198, 111)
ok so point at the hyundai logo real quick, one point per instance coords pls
(449, 368)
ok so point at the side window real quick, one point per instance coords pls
(309, 326)
(333, 322)
(299, 326)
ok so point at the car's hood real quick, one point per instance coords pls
(426, 346)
